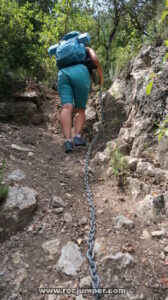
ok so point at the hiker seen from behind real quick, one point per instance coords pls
(76, 62)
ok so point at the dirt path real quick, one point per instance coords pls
(24, 265)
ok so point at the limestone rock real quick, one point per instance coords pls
(70, 260)
(122, 221)
(166, 201)
(83, 221)
(20, 276)
(166, 250)
(29, 96)
(139, 189)
(13, 296)
(91, 118)
(132, 162)
(100, 157)
(162, 152)
(20, 148)
(90, 113)
(17, 210)
(147, 169)
(17, 175)
(85, 282)
(79, 297)
(58, 202)
(141, 109)
(51, 247)
(114, 112)
(117, 89)
(58, 210)
(16, 257)
(145, 234)
(30, 154)
(157, 234)
(149, 210)
(99, 246)
(120, 260)
(131, 296)
(67, 217)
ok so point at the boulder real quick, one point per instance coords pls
(17, 210)
(151, 208)
(147, 169)
(114, 112)
(16, 175)
(119, 261)
(18, 110)
(70, 260)
(123, 222)
(138, 188)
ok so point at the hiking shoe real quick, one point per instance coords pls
(79, 141)
(68, 146)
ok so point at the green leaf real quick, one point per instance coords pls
(152, 75)
(166, 3)
(166, 132)
(159, 136)
(149, 87)
(166, 43)
(157, 131)
(165, 57)
(164, 15)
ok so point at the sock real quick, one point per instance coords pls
(68, 140)
(77, 135)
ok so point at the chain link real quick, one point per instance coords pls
(90, 241)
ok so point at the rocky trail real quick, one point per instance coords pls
(44, 222)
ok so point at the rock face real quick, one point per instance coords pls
(127, 99)
(70, 260)
(17, 210)
(162, 152)
(114, 112)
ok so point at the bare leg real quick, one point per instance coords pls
(79, 121)
(66, 120)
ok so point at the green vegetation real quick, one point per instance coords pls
(118, 162)
(161, 26)
(3, 186)
(162, 128)
(118, 29)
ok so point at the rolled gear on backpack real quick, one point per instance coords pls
(71, 50)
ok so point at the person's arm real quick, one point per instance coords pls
(95, 60)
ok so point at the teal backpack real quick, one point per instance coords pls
(71, 49)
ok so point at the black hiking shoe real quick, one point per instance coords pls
(79, 141)
(68, 146)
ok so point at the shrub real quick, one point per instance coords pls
(118, 162)
(162, 128)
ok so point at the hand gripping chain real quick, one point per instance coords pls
(90, 241)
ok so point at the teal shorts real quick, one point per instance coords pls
(74, 85)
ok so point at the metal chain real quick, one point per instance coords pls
(90, 241)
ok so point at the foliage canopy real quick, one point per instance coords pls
(118, 28)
